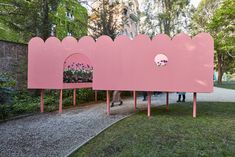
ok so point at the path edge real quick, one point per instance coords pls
(89, 139)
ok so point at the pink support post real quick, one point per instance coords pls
(149, 104)
(74, 97)
(96, 96)
(134, 95)
(108, 102)
(42, 101)
(194, 105)
(167, 101)
(61, 99)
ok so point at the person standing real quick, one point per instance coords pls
(181, 94)
(144, 96)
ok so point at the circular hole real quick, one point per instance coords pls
(161, 60)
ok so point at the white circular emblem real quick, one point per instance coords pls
(161, 60)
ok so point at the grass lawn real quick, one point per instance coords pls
(173, 133)
(226, 84)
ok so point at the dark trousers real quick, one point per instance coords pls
(145, 95)
(179, 97)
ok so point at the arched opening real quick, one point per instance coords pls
(77, 74)
(77, 69)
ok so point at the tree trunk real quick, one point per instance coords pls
(46, 25)
(220, 70)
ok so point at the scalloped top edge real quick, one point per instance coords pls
(140, 36)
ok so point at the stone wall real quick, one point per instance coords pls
(13, 61)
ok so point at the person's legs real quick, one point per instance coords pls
(119, 98)
(179, 98)
(144, 95)
(115, 97)
(183, 98)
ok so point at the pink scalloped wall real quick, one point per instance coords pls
(46, 61)
(126, 64)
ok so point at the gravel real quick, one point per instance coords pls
(52, 134)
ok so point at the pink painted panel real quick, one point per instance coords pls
(130, 64)
(44, 68)
(46, 60)
(162, 64)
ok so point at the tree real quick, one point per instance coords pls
(149, 21)
(75, 23)
(169, 19)
(165, 16)
(37, 17)
(203, 15)
(29, 18)
(104, 20)
(217, 18)
(222, 28)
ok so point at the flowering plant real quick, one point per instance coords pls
(78, 73)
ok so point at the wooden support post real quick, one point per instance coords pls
(108, 102)
(61, 101)
(74, 97)
(42, 101)
(194, 105)
(96, 96)
(134, 96)
(167, 101)
(149, 104)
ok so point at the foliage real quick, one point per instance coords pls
(226, 84)
(7, 85)
(7, 34)
(220, 23)
(103, 21)
(26, 17)
(7, 81)
(38, 17)
(172, 133)
(25, 108)
(69, 17)
(28, 102)
(85, 95)
(4, 111)
(164, 16)
(199, 20)
(222, 27)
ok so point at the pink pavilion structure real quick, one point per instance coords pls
(178, 64)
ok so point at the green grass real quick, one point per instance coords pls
(173, 133)
(226, 84)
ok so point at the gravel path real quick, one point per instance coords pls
(54, 134)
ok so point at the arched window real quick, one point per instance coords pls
(77, 69)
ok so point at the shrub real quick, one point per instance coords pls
(4, 111)
(7, 85)
(85, 95)
(23, 108)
